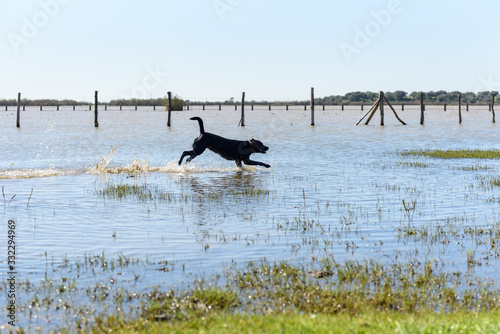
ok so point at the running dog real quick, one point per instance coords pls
(229, 149)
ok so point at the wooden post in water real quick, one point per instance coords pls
(252, 106)
(96, 122)
(105, 107)
(381, 99)
(40, 107)
(235, 106)
(73, 107)
(24, 108)
(342, 107)
(18, 121)
(269, 107)
(312, 106)
(5, 108)
(120, 107)
(492, 106)
(287, 107)
(57, 108)
(220, 107)
(444, 107)
(242, 121)
(169, 107)
(467, 108)
(361, 106)
(459, 108)
(422, 108)
(402, 107)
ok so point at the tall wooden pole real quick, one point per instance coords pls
(18, 122)
(312, 106)
(96, 122)
(492, 104)
(459, 108)
(169, 107)
(422, 108)
(381, 98)
(243, 109)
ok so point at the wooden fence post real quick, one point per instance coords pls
(459, 108)
(312, 106)
(492, 106)
(169, 107)
(242, 121)
(18, 122)
(96, 123)
(422, 108)
(381, 99)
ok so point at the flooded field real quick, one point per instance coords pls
(106, 214)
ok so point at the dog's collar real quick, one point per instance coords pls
(251, 146)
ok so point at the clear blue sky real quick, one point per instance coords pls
(273, 50)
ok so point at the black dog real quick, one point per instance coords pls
(227, 148)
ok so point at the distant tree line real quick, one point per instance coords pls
(403, 97)
(349, 98)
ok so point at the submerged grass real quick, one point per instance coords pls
(454, 154)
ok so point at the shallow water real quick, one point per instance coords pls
(333, 190)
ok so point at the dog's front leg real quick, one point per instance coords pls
(255, 163)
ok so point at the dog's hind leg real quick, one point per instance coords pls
(191, 153)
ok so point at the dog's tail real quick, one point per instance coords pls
(200, 122)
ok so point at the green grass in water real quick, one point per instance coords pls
(454, 154)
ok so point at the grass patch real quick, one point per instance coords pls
(371, 322)
(368, 297)
(454, 154)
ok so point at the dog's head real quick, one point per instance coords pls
(257, 146)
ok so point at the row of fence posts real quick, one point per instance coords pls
(242, 120)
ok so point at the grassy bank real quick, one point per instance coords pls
(353, 297)
(371, 322)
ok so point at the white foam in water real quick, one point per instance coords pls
(35, 173)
